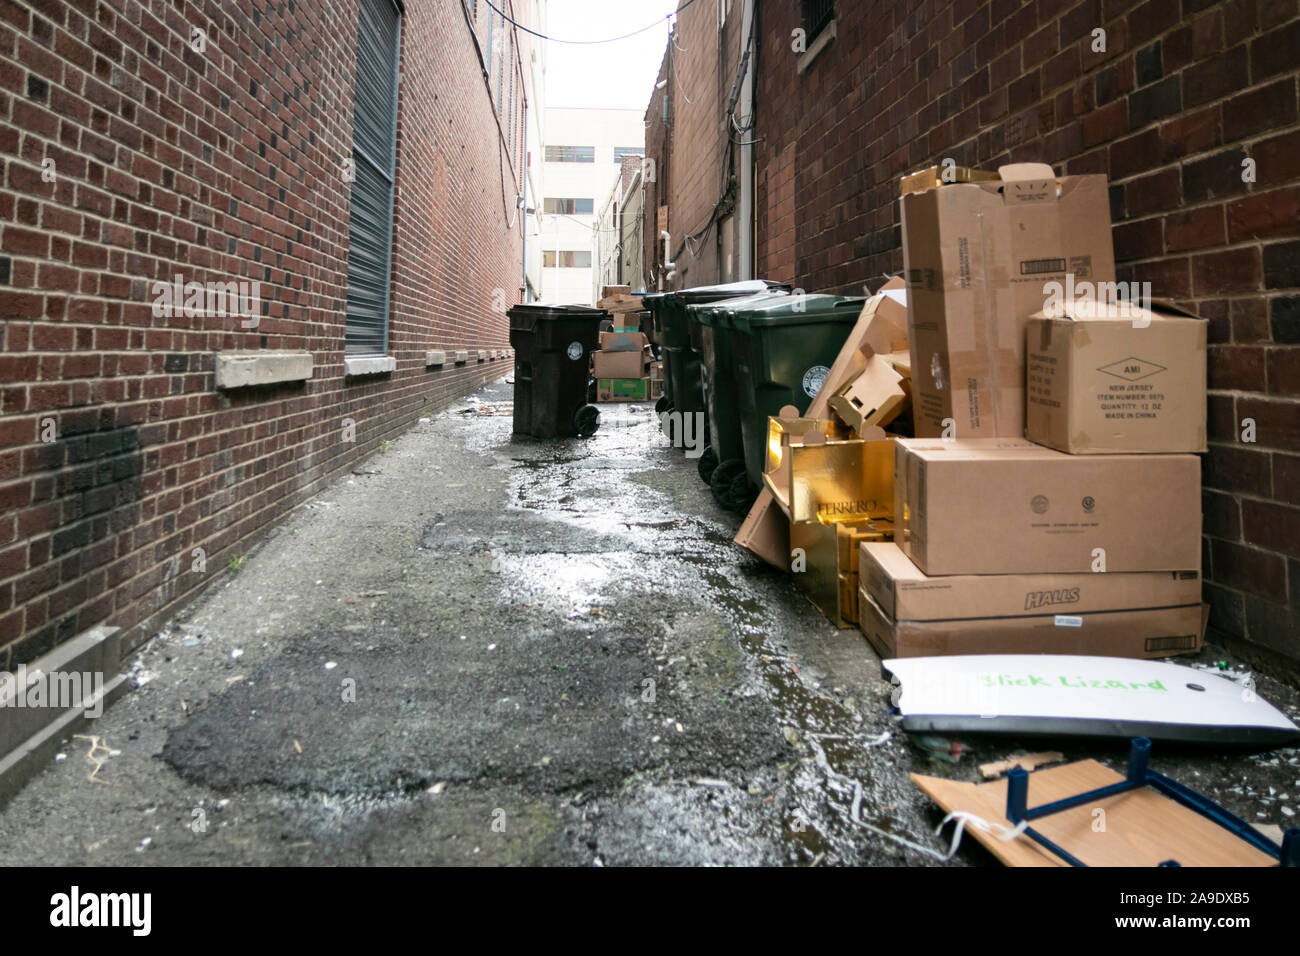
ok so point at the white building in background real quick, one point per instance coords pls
(618, 230)
(582, 157)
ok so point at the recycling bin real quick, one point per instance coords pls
(710, 332)
(783, 349)
(553, 346)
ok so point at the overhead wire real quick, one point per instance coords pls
(625, 36)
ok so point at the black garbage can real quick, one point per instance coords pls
(553, 346)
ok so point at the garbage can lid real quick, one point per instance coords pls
(794, 309)
(709, 313)
(727, 290)
(540, 308)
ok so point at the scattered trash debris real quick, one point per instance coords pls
(1025, 761)
(97, 746)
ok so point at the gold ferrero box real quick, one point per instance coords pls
(934, 176)
(818, 473)
(824, 563)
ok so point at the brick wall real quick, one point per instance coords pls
(700, 64)
(214, 165)
(1183, 93)
(659, 150)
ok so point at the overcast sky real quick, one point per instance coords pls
(617, 75)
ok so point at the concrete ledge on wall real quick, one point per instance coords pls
(822, 42)
(462, 357)
(356, 365)
(83, 674)
(244, 369)
(482, 355)
(434, 358)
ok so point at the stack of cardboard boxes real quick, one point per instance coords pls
(624, 368)
(1086, 538)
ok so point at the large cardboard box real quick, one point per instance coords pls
(1145, 633)
(906, 593)
(620, 364)
(623, 390)
(881, 328)
(1108, 378)
(977, 257)
(623, 341)
(1009, 506)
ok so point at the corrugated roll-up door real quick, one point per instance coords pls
(374, 142)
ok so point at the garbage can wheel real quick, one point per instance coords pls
(662, 405)
(586, 420)
(706, 465)
(722, 479)
(742, 494)
(665, 423)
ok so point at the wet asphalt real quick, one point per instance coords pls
(482, 649)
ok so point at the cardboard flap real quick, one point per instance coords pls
(1028, 182)
(1021, 172)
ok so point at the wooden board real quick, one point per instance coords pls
(1142, 827)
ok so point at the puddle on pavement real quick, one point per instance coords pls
(594, 492)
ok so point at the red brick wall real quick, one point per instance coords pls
(659, 149)
(1185, 91)
(216, 165)
(700, 64)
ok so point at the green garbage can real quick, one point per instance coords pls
(711, 340)
(783, 350)
(672, 333)
(553, 346)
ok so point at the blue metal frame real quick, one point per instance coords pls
(1141, 775)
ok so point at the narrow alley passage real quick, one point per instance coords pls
(482, 649)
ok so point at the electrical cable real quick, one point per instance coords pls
(592, 42)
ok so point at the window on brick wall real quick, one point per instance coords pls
(568, 207)
(570, 154)
(622, 151)
(374, 162)
(817, 15)
(566, 259)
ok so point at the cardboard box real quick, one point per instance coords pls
(657, 371)
(977, 258)
(1152, 632)
(1008, 506)
(904, 592)
(820, 479)
(609, 291)
(880, 328)
(875, 398)
(622, 389)
(1105, 378)
(620, 364)
(656, 388)
(623, 341)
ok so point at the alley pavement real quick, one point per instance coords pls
(480, 649)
